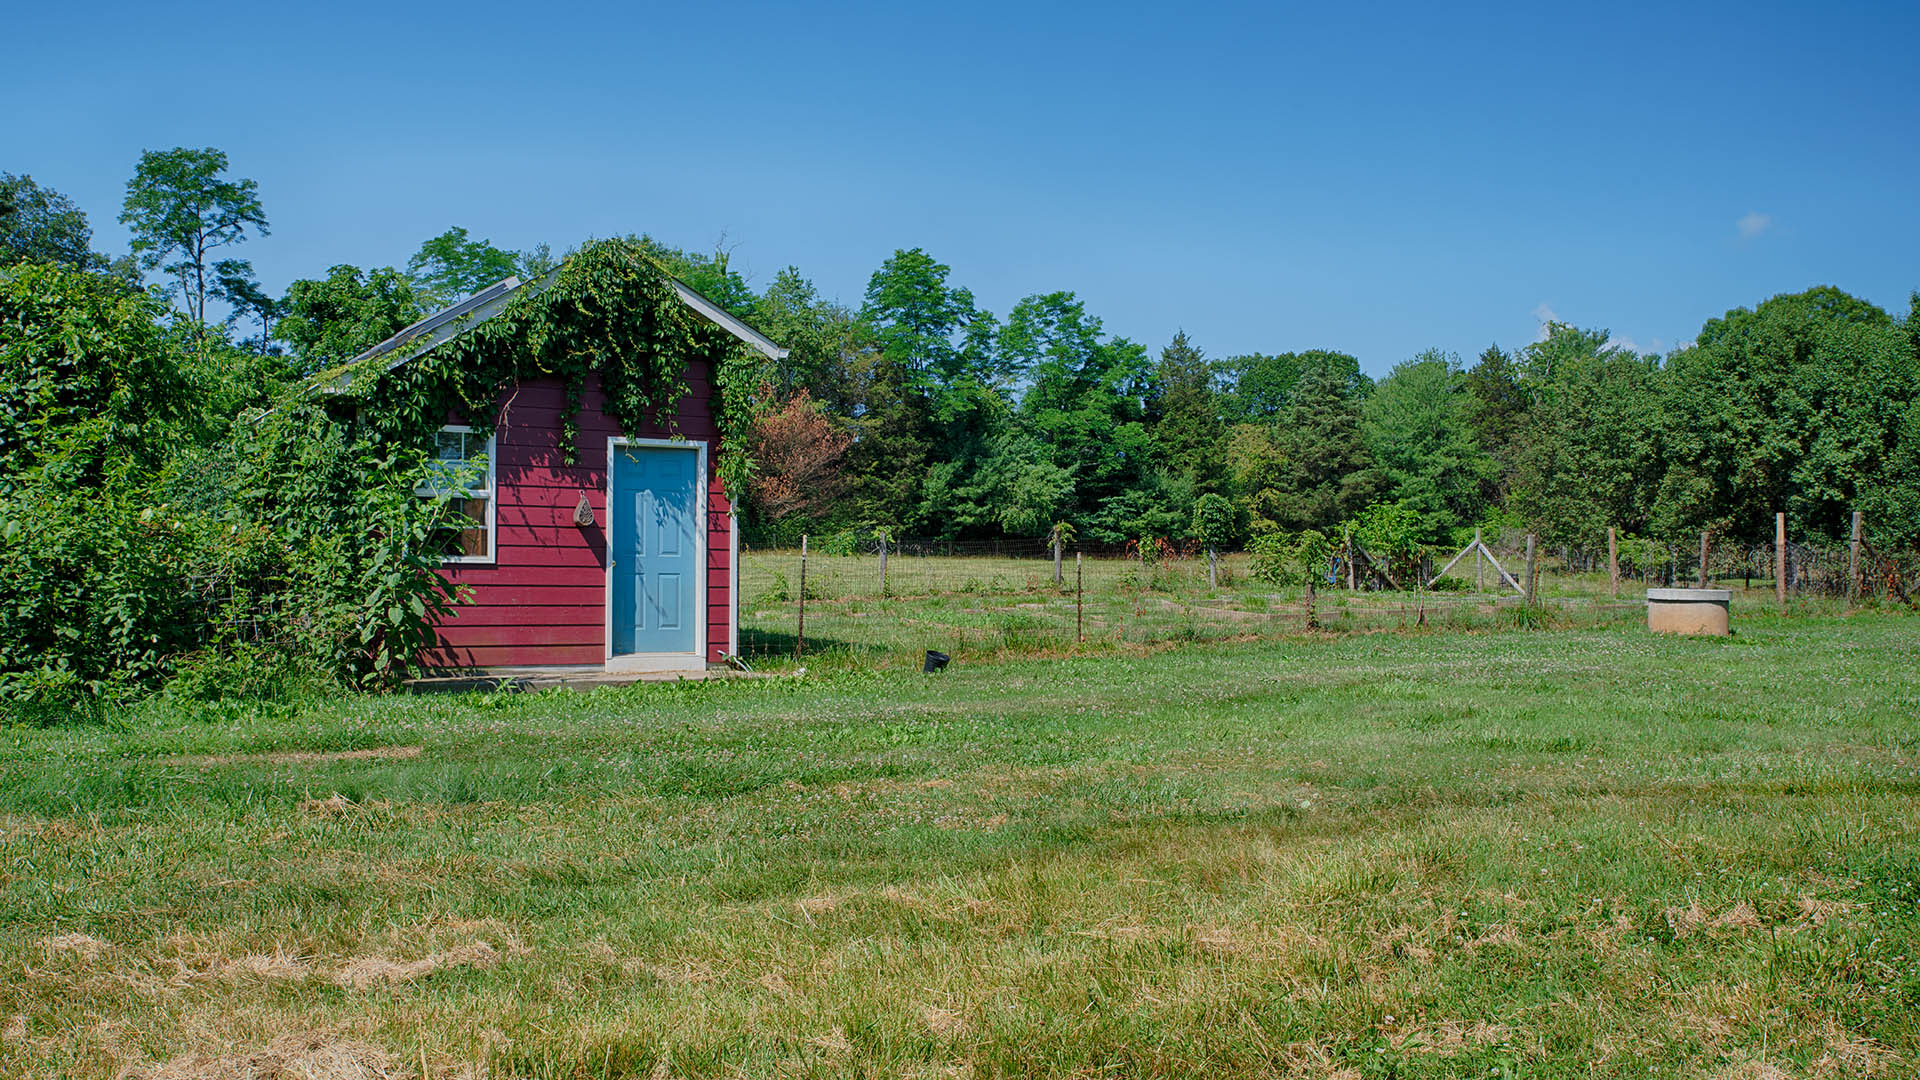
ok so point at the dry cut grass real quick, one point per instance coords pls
(1567, 854)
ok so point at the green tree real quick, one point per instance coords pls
(1261, 386)
(1086, 404)
(90, 378)
(234, 282)
(39, 224)
(1586, 456)
(1799, 404)
(1497, 411)
(1419, 430)
(1215, 527)
(1322, 473)
(453, 265)
(333, 319)
(943, 348)
(824, 341)
(1185, 415)
(918, 319)
(180, 206)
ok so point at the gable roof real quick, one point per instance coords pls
(450, 322)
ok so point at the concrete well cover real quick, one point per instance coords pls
(1692, 596)
(1689, 611)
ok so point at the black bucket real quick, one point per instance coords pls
(935, 661)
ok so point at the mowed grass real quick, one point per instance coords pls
(1586, 853)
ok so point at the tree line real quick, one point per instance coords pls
(919, 411)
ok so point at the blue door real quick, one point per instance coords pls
(654, 549)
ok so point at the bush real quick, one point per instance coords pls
(97, 592)
(251, 671)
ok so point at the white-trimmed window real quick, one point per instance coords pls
(463, 465)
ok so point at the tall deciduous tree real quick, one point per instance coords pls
(38, 224)
(453, 265)
(1086, 404)
(1795, 405)
(943, 349)
(1418, 428)
(333, 319)
(1585, 457)
(1261, 386)
(181, 206)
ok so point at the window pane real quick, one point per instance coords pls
(473, 538)
(451, 446)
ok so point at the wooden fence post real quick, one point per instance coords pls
(1079, 583)
(1613, 560)
(1533, 578)
(883, 564)
(1780, 558)
(800, 630)
(1703, 558)
(1479, 562)
(1056, 558)
(1213, 563)
(1853, 559)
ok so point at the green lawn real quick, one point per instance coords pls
(1573, 853)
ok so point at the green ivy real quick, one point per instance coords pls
(608, 310)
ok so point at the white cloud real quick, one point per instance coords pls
(1546, 315)
(1754, 224)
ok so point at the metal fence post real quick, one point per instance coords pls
(1079, 612)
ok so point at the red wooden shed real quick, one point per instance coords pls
(620, 555)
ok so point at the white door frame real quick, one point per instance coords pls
(675, 661)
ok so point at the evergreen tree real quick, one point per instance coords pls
(1323, 474)
(1187, 428)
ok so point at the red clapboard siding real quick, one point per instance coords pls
(471, 615)
(481, 656)
(520, 549)
(569, 537)
(565, 496)
(462, 636)
(482, 576)
(557, 515)
(543, 598)
(519, 595)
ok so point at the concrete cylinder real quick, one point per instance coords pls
(1689, 611)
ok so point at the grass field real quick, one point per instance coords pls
(1581, 853)
(988, 607)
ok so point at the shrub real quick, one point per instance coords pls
(97, 601)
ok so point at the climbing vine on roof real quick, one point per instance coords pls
(608, 310)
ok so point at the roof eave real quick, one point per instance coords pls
(724, 319)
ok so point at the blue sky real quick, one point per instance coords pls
(1377, 179)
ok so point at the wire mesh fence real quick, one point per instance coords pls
(862, 596)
